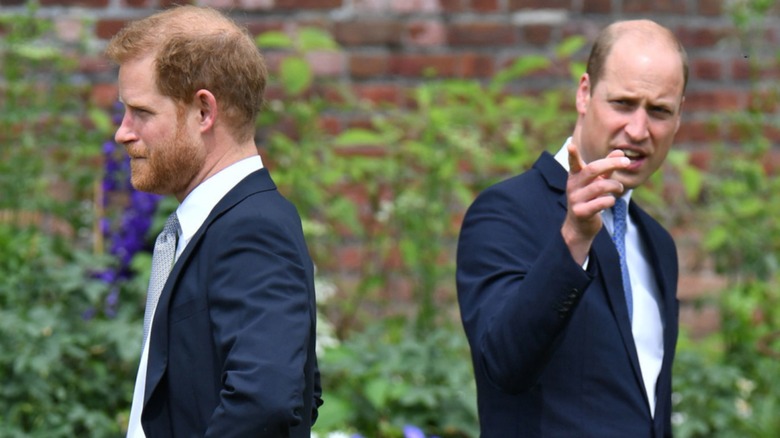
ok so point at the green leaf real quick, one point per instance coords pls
(35, 52)
(102, 120)
(312, 38)
(274, 40)
(692, 181)
(377, 391)
(296, 75)
(359, 137)
(570, 46)
(333, 414)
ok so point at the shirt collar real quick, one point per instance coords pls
(195, 208)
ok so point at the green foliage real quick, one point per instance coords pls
(711, 398)
(394, 188)
(389, 376)
(67, 369)
(64, 374)
(42, 114)
(728, 385)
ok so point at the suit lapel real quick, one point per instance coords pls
(255, 182)
(605, 257)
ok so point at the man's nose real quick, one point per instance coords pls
(124, 134)
(637, 126)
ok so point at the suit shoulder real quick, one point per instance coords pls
(517, 190)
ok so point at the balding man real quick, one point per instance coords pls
(567, 288)
(229, 328)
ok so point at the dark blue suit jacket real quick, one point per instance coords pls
(231, 352)
(551, 343)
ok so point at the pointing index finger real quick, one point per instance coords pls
(575, 162)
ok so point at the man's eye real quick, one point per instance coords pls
(661, 111)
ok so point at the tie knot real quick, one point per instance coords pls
(172, 225)
(620, 210)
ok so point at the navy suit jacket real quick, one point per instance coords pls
(231, 351)
(551, 343)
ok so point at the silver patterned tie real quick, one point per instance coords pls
(620, 213)
(162, 263)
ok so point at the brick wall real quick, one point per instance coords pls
(389, 45)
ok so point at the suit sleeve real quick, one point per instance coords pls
(517, 284)
(260, 310)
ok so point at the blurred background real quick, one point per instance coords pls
(384, 119)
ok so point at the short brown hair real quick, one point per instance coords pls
(198, 48)
(610, 34)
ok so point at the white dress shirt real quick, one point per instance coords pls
(647, 323)
(192, 212)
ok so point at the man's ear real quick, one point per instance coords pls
(207, 106)
(583, 94)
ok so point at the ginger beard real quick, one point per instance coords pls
(168, 166)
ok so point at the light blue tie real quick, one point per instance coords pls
(619, 214)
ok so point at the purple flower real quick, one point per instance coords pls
(125, 233)
(413, 432)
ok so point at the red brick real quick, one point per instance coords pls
(515, 5)
(482, 34)
(537, 34)
(699, 321)
(706, 69)
(738, 132)
(361, 122)
(772, 133)
(378, 93)
(368, 66)
(473, 65)
(259, 27)
(453, 5)
(307, 4)
(95, 65)
(771, 161)
(332, 125)
(103, 95)
(597, 6)
(273, 59)
(327, 63)
(254, 5)
(697, 131)
(741, 68)
(370, 5)
(771, 71)
(700, 158)
(105, 29)
(76, 3)
(329, 92)
(138, 3)
(165, 4)
(655, 6)
(427, 33)
(485, 5)
(715, 100)
(701, 284)
(692, 37)
(412, 65)
(711, 8)
(368, 33)
(414, 6)
(350, 257)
